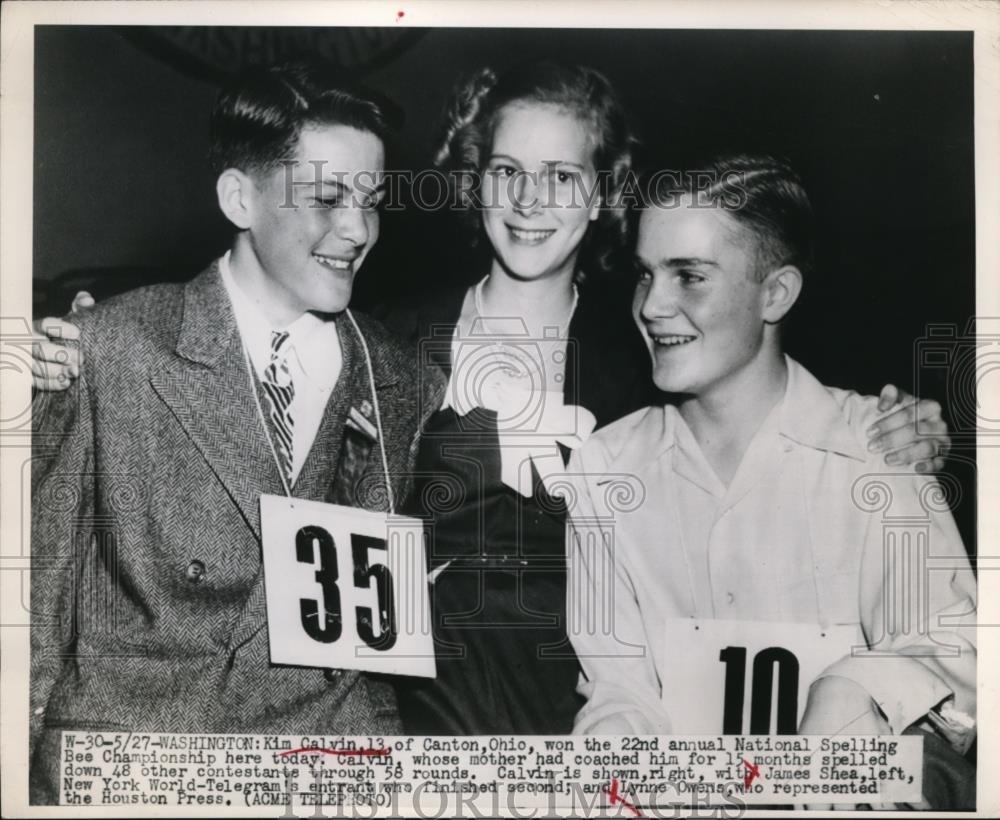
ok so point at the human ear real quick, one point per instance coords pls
(235, 192)
(782, 287)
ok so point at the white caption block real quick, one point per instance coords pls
(485, 776)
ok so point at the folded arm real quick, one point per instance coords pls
(918, 603)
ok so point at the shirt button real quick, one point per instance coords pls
(196, 572)
(730, 598)
(331, 674)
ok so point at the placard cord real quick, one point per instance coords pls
(378, 413)
(375, 404)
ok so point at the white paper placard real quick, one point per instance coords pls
(738, 677)
(345, 588)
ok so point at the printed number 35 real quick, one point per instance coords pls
(329, 628)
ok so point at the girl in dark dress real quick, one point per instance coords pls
(538, 352)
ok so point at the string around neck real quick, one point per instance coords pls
(562, 327)
(390, 496)
(391, 501)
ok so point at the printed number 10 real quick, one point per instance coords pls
(761, 689)
(329, 628)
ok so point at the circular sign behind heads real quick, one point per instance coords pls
(216, 53)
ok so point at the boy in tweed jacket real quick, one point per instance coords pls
(147, 593)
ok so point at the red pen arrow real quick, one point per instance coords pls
(615, 798)
(752, 773)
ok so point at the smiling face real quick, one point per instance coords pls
(698, 302)
(539, 173)
(312, 223)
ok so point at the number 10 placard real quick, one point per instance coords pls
(746, 677)
(346, 588)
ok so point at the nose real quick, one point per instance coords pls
(659, 300)
(351, 225)
(525, 193)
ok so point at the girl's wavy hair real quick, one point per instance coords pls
(470, 121)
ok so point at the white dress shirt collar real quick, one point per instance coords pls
(809, 413)
(310, 341)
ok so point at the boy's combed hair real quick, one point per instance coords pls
(257, 119)
(471, 118)
(761, 192)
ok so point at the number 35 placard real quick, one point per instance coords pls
(346, 588)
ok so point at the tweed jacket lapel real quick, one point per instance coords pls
(339, 468)
(357, 477)
(317, 475)
(208, 389)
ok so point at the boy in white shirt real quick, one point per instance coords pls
(758, 540)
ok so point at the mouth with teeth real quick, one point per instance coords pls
(526, 237)
(337, 263)
(671, 339)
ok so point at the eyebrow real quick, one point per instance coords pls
(315, 183)
(545, 162)
(341, 188)
(687, 262)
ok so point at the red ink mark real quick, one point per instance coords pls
(339, 752)
(752, 773)
(616, 798)
(400, 15)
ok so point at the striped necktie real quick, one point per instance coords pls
(280, 391)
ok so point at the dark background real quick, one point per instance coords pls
(880, 124)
